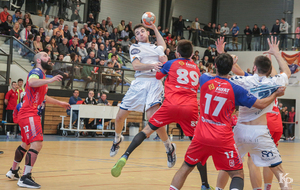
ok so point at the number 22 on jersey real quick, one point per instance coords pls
(183, 77)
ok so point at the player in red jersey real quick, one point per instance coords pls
(30, 121)
(180, 104)
(213, 134)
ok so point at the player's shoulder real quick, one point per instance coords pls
(36, 71)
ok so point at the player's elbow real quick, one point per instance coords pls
(259, 104)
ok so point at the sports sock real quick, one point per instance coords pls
(268, 186)
(136, 141)
(19, 154)
(203, 174)
(168, 145)
(237, 183)
(30, 160)
(117, 137)
(258, 188)
(172, 188)
(218, 188)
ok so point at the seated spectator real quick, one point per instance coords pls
(103, 100)
(7, 25)
(207, 53)
(173, 46)
(73, 47)
(115, 36)
(48, 50)
(75, 16)
(92, 35)
(90, 19)
(75, 25)
(61, 22)
(27, 22)
(169, 38)
(54, 47)
(71, 41)
(86, 28)
(125, 32)
(49, 30)
(60, 30)
(107, 46)
(121, 26)
(67, 33)
(55, 22)
(89, 100)
(98, 27)
(99, 42)
(92, 49)
(60, 68)
(103, 25)
(20, 21)
(114, 52)
(110, 79)
(109, 27)
(84, 40)
(130, 29)
(25, 33)
(213, 54)
(63, 48)
(82, 51)
(4, 14)
(87, 72)
(93, 41)
(92, 57)
(114, 61)
(10, 100)
(74, 32)
(38, 45)
(16, 33)
(58, 38)
(125, 43)
(81, 34)
(16, 16)
(46, 22)
(100, 36)
(169, 54)
(102, 53)
(106, 36)
(205, 61)
(41, 34)
(73, 100)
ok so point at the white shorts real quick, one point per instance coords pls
(256, 140)
(143, 94)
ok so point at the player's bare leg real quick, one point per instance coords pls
(119, 124)
(222, 180)
(19, 155)
(268, 178)
(180, 176)
(237, 179)
(255, 175)
(285, 184)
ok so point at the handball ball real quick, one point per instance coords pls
(147, 17)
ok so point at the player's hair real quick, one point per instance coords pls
(20, 80)
(75, 90)
(224, 63)
(13, 82)
(139, 26)
(37, 56)
(263, 65)
(185, 48)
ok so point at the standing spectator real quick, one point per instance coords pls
(67, 33)
(248, 34)
(284, 26)
(4, 14)
(82, 51)
(179, 26)
(95, 9)
(90, 19)
(225, 31)
(235, 31)
(256, 34)
(276, 29)
(129, 25)
(110, 27)
(195, 30)
(76, 16)
(20, 89)
(55, 22)
(297, 40)
(49, 30)
(264, 32)
(280, 106)
(73, 100)
(63, 48)
(10, 101)
(121, 26)
(291, 129)
(49, 4)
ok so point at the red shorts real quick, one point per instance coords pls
(225, 158)
(185, 115)
(31, 129)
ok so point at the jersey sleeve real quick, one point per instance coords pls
(281, 79)
(243, 97)
(204, 78)
(135, 52)
(247, 74)
(166, 67)
(35, 73)
(160, 50)
(239, 80)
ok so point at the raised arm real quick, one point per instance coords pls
(236, 69)
(274, 50)
(57, 102)
(159, 38)
(34, 81)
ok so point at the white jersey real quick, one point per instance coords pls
(260, 87)
(148, 54)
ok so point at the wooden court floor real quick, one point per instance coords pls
(86, 165)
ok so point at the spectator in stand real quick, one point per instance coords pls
(67, 33)
(29, 43)
(82, 51)
(49, 30)
(218, 29)
(110, 27)
(106, 37)
(54, 47)
(90, 19)
(125, 43)
(214, 54)
(207, 53)
(235, 31)
(38, 45)
(63, 48)
(225, 31)
(60, 68)
(71, 41)
(74, 32)
(102, 53)
(100, 35)
(121, 26)
(125, 32)
(28, 16)
(103, 100)
(284, 27)
(58, 38)
(169, 54)
(103, 25)
(280, 106)
(114, 52)
(107, 46)
(41, 33)
(10, 101)
(87, 72)
(169, 38)
(61, 22)
(4, 14)
(291, 129)
(112, 44)
(7, 25)
(20, 89)
(46, 22)
(75, 25)
(55, 22)
(205, 61)
(98, 27)
(297, 40)
(85, 41)
(20, 21)
(249, 71)
(73, 100)
(16, 33)
(73, 47)
(115, 35)
(248, 34)
(94, 41)
(195, 30)
(25, 33)
(256, 34)
(81, 34)
(92, 35)
(48, 50)
(264, 32)
(92, 49)
(60, 30)
(16, 16)
(276, 29)
(27, 22)
(75, 16)
(173, 46)
(179, 26)
(129, 25)
(95, 9)
(92, 57)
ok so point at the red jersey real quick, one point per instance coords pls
(218, 99)
(234, 120)
(34, 99)
(182, 83)
(12, 97)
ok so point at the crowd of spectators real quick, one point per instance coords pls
(288, 119)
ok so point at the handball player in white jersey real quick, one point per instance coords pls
(251, 133)
(145, 92)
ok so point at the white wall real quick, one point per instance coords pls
(17, 72)
(246, 60)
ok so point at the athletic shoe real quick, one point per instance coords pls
(13, 174)
(116, 170)
(205, 188)
(172, 156)
(115, 147)
(27, 182)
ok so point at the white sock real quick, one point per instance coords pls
(168, 145)
(268, 186)
(15, 165)
(172, 188)
(27, 169)
(218, 188)
(117, 137)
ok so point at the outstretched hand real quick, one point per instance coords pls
(220, 45)
(274, 46)
(280, 91)
(56, 78)
(151, 26)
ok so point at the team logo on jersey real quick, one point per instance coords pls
(181, 63)
(222, 90)
(231, 163)
(135, 51)
(191, 65)
(211, 86)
